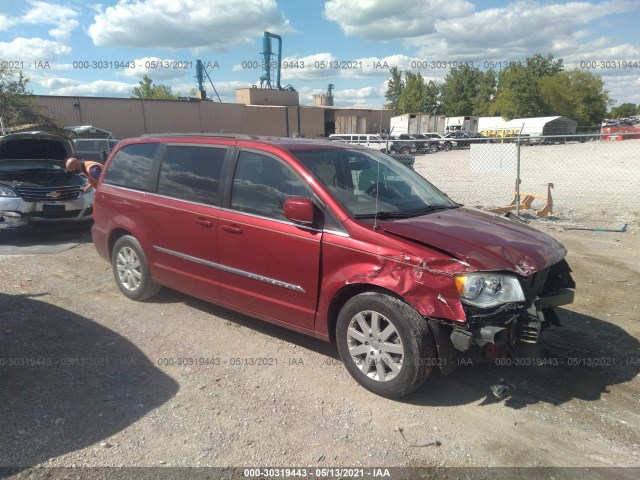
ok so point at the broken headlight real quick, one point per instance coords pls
(486, 289)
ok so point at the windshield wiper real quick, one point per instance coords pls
(383, 215)
(431, 208)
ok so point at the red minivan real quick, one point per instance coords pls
(337, 241)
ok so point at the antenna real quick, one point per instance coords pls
(375, 217)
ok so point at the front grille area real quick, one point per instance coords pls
(49, 194)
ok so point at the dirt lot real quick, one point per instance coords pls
(596, 183)
(89, 378)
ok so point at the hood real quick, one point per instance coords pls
(37, 147)
(52, 179)
(483, 240)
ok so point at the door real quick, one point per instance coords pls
(269, 266)
(182, 218)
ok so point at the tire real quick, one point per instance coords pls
(433, 148)
(131, 270)
(393, 359)
(447, 147)
(405, 150)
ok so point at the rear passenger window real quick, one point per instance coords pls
(192, 173)
(131, 166)
(261, 184)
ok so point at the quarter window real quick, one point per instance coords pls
(261, 184)
(131, 165)
(191, 173)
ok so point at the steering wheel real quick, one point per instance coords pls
(382, 190)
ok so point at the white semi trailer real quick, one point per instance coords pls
(417, 123)
(467, 124)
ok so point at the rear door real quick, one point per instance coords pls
(182, 218)
(269, 266)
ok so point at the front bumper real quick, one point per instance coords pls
(515, 323)
(16, 212)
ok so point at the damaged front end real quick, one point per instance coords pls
(504, 311)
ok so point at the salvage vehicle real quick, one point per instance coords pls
(35, 187)
(336, 241)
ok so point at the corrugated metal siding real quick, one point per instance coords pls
(266, 121)
(127, 117)
(222, 117)
(123, 117)
(169, 116)
(61, 109)
(312, 120)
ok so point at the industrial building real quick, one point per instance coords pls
(268, 109)
(258, 111)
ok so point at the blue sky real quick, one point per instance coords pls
(72, 47)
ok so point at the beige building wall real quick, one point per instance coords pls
(266, 121)
(265, 96)
(121, 118)
(162, 116)
(127, 117)
(221, 117)
(313, 121)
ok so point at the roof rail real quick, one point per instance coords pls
(215, 135)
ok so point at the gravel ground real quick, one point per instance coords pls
(89, 378)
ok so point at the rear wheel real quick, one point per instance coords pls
(385, 344)
(405, 150)
(130, 269)
(433, 148)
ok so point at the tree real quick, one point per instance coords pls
(395, 85)
(433, 97)
(518, 94)
(17, 104)
(468, 91)
(539, 66)
(624, 110)
(146, 90)
(556, 94)
(588, 95)
(412, 94)
(519, 90)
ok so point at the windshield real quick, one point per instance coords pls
(369, 184)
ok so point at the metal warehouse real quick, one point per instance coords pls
(131, 117)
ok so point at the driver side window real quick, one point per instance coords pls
(261, 184)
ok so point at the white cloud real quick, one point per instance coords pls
(44, 13)
(29, 49)
(97, 88)
(175, 24)
(158, 68)
(623, 88)
(5, 23)
(515, 31)
(326, 66)
(385, 20)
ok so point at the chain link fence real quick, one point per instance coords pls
(593, 180)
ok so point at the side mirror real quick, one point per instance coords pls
(299, 210)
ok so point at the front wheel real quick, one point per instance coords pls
(130, 269)
(385, 344)
(433, 148)
(447, 146)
